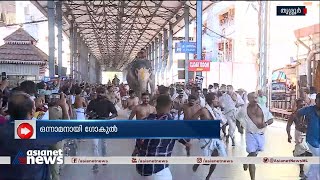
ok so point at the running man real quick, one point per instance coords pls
(312, 114)
(101, 108)
(301, 147)
(211, 147)
(131, 102)
(178, 103)
(200, 97)
(228, 101)
(189, 110)
(143, 110)
(254, 118)
(157, 147)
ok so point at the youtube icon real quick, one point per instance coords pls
(25, 129)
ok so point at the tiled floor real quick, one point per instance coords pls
(276, 145)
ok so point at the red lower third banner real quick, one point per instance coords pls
(199, 65)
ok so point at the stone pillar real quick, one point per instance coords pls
(51, 36)
(59, 25)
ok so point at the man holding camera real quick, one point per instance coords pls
(22, 107)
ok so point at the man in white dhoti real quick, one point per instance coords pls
(211, 147)
(239, 104)
(254, 118)
(228, 102)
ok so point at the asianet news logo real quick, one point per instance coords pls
(39, 157)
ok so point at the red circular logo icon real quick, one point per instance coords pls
(25, 131)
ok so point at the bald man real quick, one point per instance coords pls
(255, 118)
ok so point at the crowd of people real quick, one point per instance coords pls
(68, 99)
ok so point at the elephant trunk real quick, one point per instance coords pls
(143, 86)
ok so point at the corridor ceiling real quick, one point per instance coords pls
(115, 31)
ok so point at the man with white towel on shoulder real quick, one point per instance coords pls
(255, 118)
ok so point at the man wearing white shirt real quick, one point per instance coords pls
(255, 118)
(228, 102)
(239, 104)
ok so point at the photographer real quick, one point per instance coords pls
(58, 109)
(42, 112)
(21, 107)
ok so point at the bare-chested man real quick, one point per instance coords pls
(79, 104)
(162, 90)
(178, 103)
(132, 101)
(143, 110)
(189, 109)
(254, 118)
(211, 147)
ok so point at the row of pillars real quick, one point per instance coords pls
(158, 51)
(154, 49)
(165, 42)
(81, 60)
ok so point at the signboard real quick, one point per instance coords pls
(181, 38)
(186, 47)
(199, 65)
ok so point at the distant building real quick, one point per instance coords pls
(21, 59)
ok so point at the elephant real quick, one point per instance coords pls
(140, 76)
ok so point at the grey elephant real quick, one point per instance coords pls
(140, 76)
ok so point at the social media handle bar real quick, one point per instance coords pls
(116, 129)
